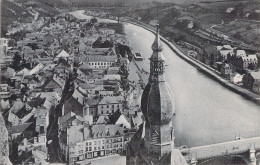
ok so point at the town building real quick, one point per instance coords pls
(226, 70)
(91, 142)
(251, 78)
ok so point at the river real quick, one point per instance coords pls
(206, 112)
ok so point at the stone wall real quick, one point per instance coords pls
(4, 148)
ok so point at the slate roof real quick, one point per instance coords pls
(111, 100)
(63, 53)
(19, 128)
(249, 58)
(98, 58)
(255, 75)
(52, 84)
(17, 106)
(68, 122)
(115, 116)
(72, 105)
(9, 72)
(35, 102)
(104, 119)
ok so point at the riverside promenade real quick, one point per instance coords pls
(207, 70)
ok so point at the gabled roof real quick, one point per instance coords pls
(62, 63)
(52, 84)
(19, 128)
(35, 102)
(65, 117)
(63, 54)
(75, 119)
(86, 86)
(115, 116)
(136, 143)
(98, 58)
(255, 75)
(103, 120)
(72, 105)
(111, 100)
(249, 58)
(36, 69)
(240, 53)
(9, 72)
(24, 71)
(17, 106)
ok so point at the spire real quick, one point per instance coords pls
(157, 45)
(157, 60)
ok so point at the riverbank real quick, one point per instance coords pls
(207, 70)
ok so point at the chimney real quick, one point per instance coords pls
(25, 141)
(35, 140)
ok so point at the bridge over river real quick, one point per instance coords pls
(247, 149)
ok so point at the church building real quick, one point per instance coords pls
(153, 143)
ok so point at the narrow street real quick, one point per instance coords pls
(53, 147)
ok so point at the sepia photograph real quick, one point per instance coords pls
(130, 82)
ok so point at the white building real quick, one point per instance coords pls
(236, 78)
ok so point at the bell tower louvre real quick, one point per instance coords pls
(153, 143)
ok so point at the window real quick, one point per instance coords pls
(95, 143)
(90, 143)
(95, 148)
(107, 112)
(107, 106)
(98, 147)
(90, 148)
(86, 143)
(112, 111)
(112, 106)
(102, 107)
(103, 147)
(101, 112)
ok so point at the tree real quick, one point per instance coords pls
(33, 46)
(82, 35)
(258, 57)
(93, 20)
(196, 25)
(16, 61)
(251, 66)
(182, 24)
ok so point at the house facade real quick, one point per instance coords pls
(91, 142)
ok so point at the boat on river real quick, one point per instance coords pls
(138, 56)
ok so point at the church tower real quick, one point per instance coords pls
(153, 143)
